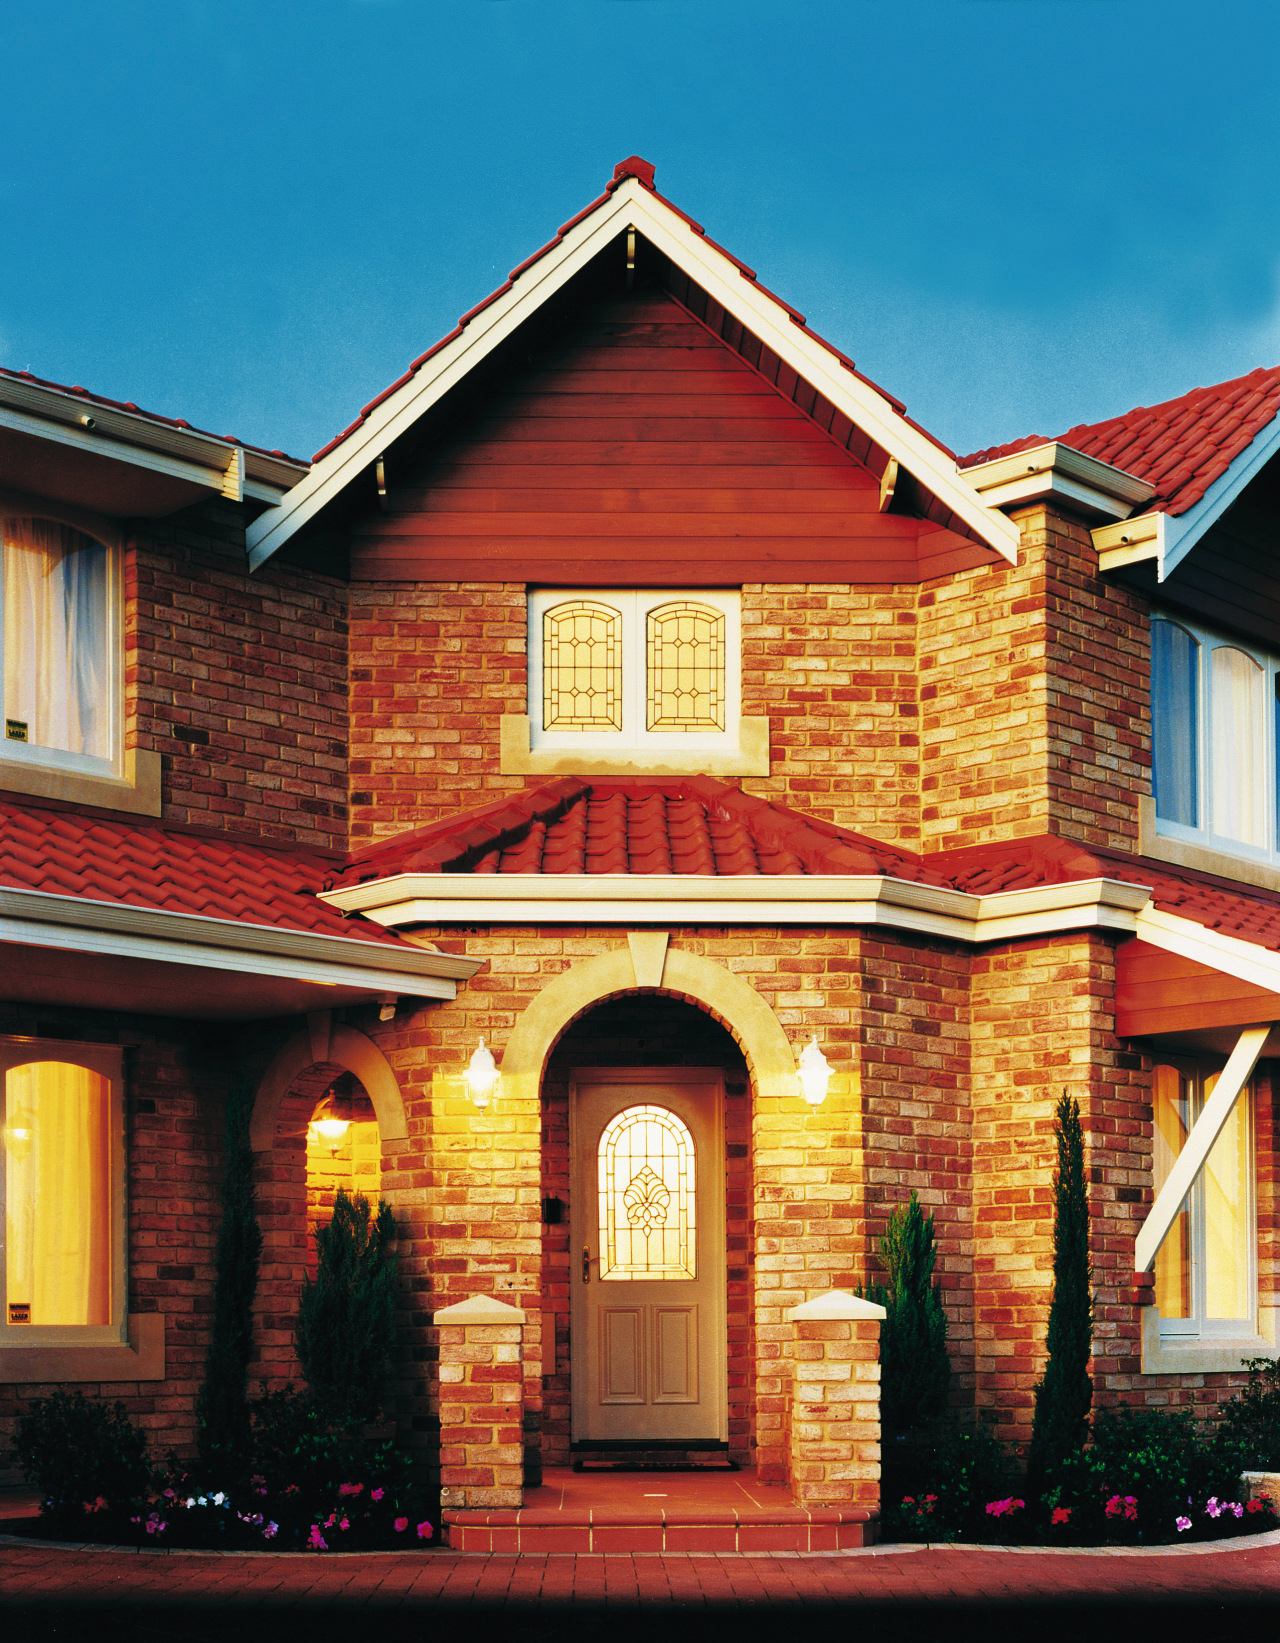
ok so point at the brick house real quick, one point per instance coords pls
(636, 693)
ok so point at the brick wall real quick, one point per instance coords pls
(238, 681)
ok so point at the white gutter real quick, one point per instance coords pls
(835, 900)
(32, 918)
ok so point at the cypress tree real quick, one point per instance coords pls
(915, 1371)
(222, 1406)
(1065, 1395)
(346, 1321)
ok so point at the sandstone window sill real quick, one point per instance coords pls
(1208, 1356)
(142, 1359)
(136, 792)
(517, 758)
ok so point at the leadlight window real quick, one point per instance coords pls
(647, 1193)
(685, 667)
(581, 666)
(1205, 1268)
(646, 669)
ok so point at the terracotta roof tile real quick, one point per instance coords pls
(694, 826)
(139, 864)
(1181, 446)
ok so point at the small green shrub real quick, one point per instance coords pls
(1250, 1423)
(915, 1371)
(83, 1455)
(940, 1489)
(346, 1322)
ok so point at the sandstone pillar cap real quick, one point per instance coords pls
(835, 1304)
(479, 1309)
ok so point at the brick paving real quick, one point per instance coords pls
(64, 1593)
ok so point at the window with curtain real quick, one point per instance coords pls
(635, 669)
(1205, 1269)
(62, 1214)
(1215, 736)
(60, 687)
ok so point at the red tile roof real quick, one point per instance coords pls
(1242, 911)
(694, 826)
(150, 416)
(1182, 446)
(64, 853)
(643, 173)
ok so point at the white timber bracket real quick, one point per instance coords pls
(1198, 1146)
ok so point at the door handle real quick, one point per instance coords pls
(586, 1264)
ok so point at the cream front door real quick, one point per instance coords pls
(648, 1265)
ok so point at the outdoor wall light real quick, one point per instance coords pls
(814, 1074)
(482, 1075)
(330, 1126)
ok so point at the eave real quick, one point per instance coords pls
(630, 205)
(189, 965)
(409, 899)
(1054, 472)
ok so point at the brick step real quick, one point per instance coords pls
(713, 1512)
(628, 1457)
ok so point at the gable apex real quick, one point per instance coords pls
(630, 203)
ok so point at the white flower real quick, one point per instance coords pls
(219, 1499)
(190, 1502)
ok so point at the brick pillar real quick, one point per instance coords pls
(833, 1423)
(481, 1375)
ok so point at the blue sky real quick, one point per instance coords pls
(1015, 214)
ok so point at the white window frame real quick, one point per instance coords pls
(30, 755)
(634, 605)
(1198, 1328)
(108, 1061)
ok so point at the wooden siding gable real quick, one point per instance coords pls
(639, 449)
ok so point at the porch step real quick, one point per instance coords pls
(660, 1457)
(688, 1512)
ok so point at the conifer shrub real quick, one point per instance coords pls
(915, 1372)
(85, 1456)
(222, 1405)
(1060, 1427)
(346, 1324)
(1250, 1423)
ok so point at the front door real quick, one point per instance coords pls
(648, 1264)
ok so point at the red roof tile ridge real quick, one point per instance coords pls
(643, 173)
(148, 416)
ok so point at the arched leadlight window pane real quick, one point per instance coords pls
(56, 594)
(1175, 697)
(685, 646)
(648, 1180)
(1237, 741)
(582, 666)
(57, 1194)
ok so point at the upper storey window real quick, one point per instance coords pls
(1214, 729)
(635, 669)
(60, 647)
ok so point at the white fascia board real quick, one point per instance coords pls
(867, 899)
(631, 206)
(254, 948)
(1185, 531)
(1054, 471)
(30, 933)
(1245, 960)
(1129, 541)
(200, 467)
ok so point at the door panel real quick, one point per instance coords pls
(648, 1334)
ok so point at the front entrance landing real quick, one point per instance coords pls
(659, 1512)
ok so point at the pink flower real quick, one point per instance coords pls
(402, 1523)
(424, 1531)
(1183, 1524)
(1061, 1514)
(344, 1524)
(376, 1494)
(1213, 1506)
(269, 1532)
(350, 1488)
(316, 1540)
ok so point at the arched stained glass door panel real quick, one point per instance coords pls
(647, 1197)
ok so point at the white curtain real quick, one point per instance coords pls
(1238, 744)
(58, 1193)
(57, 636)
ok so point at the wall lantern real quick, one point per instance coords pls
(814, 1074)
(334, 1119)
(482, 1075)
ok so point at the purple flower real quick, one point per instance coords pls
(316, 1540)
(1183, 1524)
(1213, 1506)
(269, 1533)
